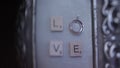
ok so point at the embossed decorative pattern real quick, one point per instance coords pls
(111, 31)
(24, 34)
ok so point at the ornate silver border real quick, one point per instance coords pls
(106, 38)
(95, 38)
(25, 39)
(33, 33)
(106, 35)
(111, 33)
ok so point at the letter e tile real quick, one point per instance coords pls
(75, 48)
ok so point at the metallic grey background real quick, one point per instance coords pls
(69, 10)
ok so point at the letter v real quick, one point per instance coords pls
(56, 47)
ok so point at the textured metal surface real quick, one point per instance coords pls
(98, 36)
(111, 31)
(95, 33)
(24, 34)
(107, 33)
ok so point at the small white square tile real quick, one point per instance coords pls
(56, 23)
(75, 48)
(56, 48)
